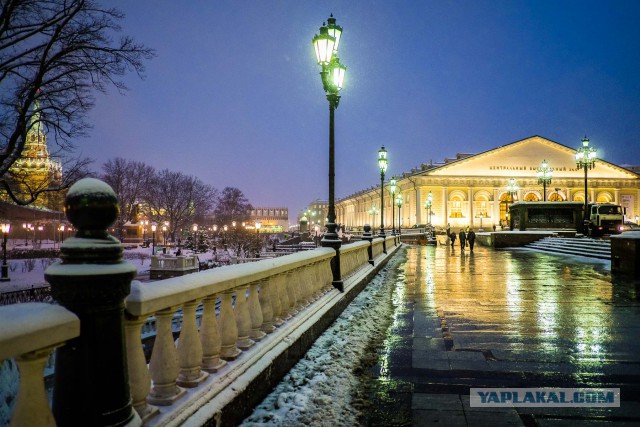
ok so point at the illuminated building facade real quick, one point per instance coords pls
(471, 188)
(35, 170)
(272, 220)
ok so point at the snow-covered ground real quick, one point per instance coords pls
(322, 389)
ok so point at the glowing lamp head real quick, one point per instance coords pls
(324, 45)
(334, 30)
(382, 159)
(6, 227)
(195, 227)
(392, 185)
(154, 227)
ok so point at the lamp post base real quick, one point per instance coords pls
(328, 241)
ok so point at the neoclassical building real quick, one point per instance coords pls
(472, 188)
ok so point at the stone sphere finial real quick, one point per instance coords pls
(367, 228)
(91, 206)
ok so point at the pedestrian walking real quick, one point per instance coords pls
(471, 237)
(452, 237)
(463, 239)
(494, 227)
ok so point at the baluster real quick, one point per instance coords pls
(190, 348)
(255, 311)
(139, 378)
(266, 307)
(284, 296)
(228, 328)
(243, 319)
(317, 280)
(32, 405)
(291, 292)
(276, 305)
(299, 289)
(210, 336)
(305, 285)
(164, 366)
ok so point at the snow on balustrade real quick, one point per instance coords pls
(28, 333)
(267, 294)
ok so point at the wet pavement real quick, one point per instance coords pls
(504, 318)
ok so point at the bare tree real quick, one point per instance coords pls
(178, 199)
(53, 55)
(232, 206)
(128, 179)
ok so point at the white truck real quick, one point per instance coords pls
(605, 218)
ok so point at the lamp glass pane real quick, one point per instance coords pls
(323, 45)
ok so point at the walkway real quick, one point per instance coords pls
(504, 319)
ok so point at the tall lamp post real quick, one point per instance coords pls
(544, 177)
(586, 159)
(427, 205)
(512, 190)
(195, 238)
(326, 48)
(154, 227)
(399, 204)
(382, 164)
(392, 188)
(164, 235)
(6, 228)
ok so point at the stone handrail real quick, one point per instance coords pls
(352, 257)
(29, 332)
(267, 293)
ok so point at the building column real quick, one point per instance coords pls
(445, 204)
(470, 192)
(616, 196)
(496, 206)
(418, 203)
(592, 195)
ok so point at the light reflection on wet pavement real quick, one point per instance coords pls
(504, 318)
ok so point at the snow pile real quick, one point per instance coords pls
(322, 388)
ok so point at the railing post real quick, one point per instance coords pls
(210, 336)
(91, 384)
(369, 238)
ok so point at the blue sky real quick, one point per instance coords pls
(234, 96)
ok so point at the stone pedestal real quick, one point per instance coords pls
(625, 254)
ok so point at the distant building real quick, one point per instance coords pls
(35, 170)
(272, 220)
(471, 188)
(315, 213)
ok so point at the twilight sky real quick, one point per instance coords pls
(234, 96)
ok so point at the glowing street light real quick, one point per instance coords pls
(382, 164)
(258, 225)
(332, 74)
(399, 204)
(392, 189)
(154, 227)
(4, 276)
(427, 205)
(544, 177)
(373, 212)
(586, 159)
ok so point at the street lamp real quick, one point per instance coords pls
(258, 225)
(61, 228)
(154, 227)
(195, 238)
(326, 48)
(392, 188)
(585, 158)
(399, 204)
(164, 235)
(427, 205)
(144, 231)
(544, 178)
(382, 164)
(6, 228)
(224, 237)
(512, 190)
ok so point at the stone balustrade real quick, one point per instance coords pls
(270, 312)
(266, 294)
(29, 333)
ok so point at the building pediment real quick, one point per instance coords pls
(522, 159)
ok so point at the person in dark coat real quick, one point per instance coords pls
(471, 237)
(463, 239)
(452, 236)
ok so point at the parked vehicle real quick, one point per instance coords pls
(605, 218)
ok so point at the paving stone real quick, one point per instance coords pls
(443, 418)
(440, 402)
(491, 419)
(419, 362)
